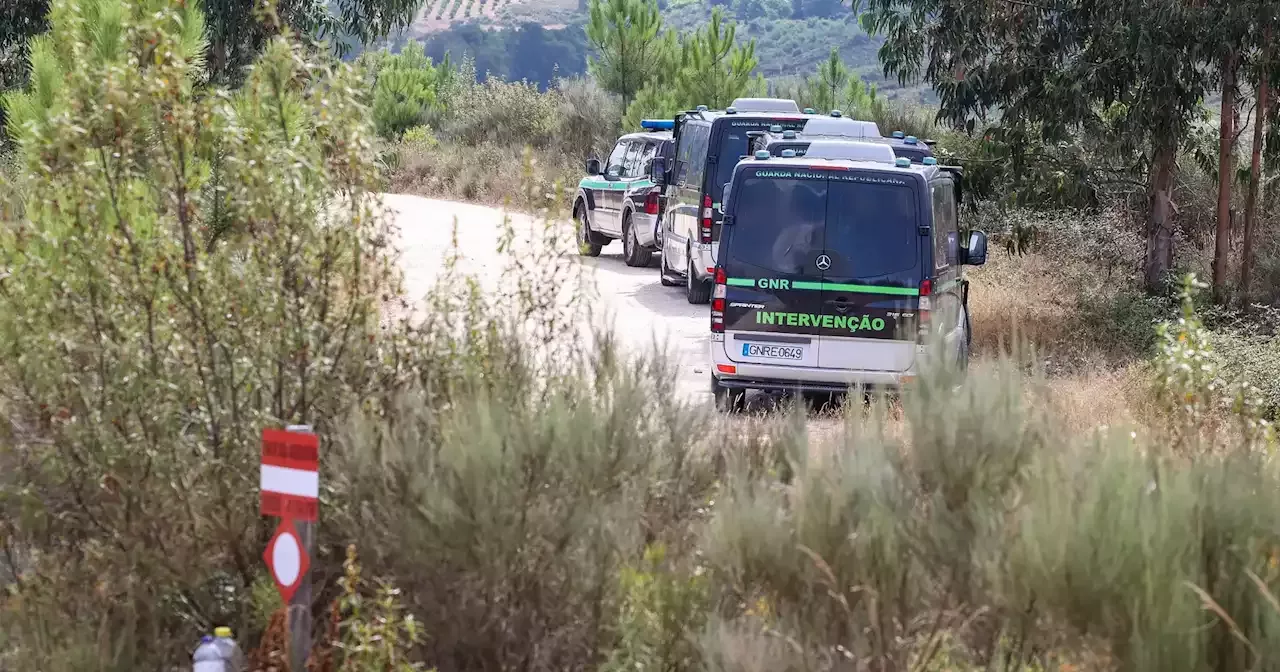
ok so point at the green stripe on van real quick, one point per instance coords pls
(832, 287)
(870, 289)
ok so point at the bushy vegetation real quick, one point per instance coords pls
(408, 89)
(480, 131)
(181, 267)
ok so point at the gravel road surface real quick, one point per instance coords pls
(644, 314)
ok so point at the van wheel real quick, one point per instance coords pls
(695, 290)
(632, 253)
(727, 400)
(586, 247)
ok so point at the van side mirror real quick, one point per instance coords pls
(976, 253)
(593, 166)
(724, 197)
(658, 169)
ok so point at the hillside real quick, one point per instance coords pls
(541, 39)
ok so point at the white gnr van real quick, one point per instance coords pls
(834, 268)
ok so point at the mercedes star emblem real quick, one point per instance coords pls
(823, 262)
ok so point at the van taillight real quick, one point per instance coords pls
(717, 302)
(922, 313)
(706, 219)
(651, 203)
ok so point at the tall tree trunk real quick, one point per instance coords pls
(1262, 105)
(1226, 164)
(1160, 215)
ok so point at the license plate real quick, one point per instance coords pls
(766, 351)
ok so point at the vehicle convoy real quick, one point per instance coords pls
(620, 200)
(776, 140)
(708, 144)
(836, 269)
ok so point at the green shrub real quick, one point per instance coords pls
(499, 112)
(143, 355)
(588, 119)
(407, 90)
(376, 634)
(420, 137)
(1193, 390)
(508, 491)
(662, 611)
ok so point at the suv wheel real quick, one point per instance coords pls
(695, 290)
(586, 248)
(632, 253)
(727, 400)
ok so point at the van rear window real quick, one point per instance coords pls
(782, 224)
(734, 143)
(873, 227)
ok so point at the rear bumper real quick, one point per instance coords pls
(771, 377)
(783, 386)
(646, 227)
(704, 259)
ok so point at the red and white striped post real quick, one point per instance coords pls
(290, 490)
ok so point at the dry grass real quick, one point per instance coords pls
(1051, 311)
(487, 174)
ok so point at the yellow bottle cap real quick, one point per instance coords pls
(222, 631)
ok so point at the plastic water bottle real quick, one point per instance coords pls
(233, 657)
(208, 657)
(218, 653)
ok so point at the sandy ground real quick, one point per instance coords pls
(644, 314)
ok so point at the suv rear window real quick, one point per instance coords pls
(783, 223)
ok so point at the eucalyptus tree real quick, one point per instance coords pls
(1265, 76)
(1055, 68)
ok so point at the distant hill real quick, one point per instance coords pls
(539, 40)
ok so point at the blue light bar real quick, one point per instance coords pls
(658, 124)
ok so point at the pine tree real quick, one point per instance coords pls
(827, 87)
(628, 46)
(716, 69)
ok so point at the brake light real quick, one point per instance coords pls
(706, 219)
(717, 302)
(922, 313)
(651, 203)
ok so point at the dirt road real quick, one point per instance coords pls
(643, 313)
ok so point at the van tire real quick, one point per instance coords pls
(694, 289)
(586, 245)
(727, 400)
(633, 254)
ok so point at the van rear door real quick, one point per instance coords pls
(770, 258)
(875, 263)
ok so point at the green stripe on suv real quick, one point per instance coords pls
(823, 286)
(615, 185)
